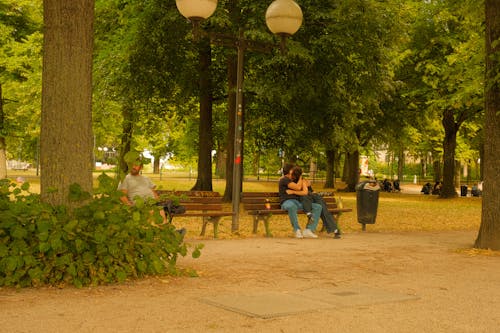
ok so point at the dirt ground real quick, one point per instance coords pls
(456, 290)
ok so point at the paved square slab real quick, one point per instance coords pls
(272, 304)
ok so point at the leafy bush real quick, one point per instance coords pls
(102, 241)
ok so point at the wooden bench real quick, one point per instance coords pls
(205, 204)
(255, 204)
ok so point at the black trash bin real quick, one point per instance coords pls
(367, 193)
(463, 190)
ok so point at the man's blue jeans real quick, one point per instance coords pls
(293, 205)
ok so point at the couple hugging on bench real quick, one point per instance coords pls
(296, 194)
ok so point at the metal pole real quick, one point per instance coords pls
(238, 129)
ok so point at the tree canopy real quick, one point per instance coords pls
(359, 76)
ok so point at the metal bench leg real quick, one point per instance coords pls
(210, 219)
(215, 221)
(337, 218)
(256, 219)
(266, 225)
(204, 226)
(265, 220)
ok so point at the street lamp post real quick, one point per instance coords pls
(283, 18)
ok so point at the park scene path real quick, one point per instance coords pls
(364, 282)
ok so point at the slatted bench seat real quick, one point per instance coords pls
(205, 204)
(263, 205)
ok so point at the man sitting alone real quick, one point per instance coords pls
(137, 185)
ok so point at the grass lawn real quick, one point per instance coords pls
(397, 212)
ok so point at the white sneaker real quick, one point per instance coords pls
(298, 234)
(309, 234)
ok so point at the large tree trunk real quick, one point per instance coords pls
(449, 145)
(204, 181)
(66, 128)
(3, 146)
(489, 232)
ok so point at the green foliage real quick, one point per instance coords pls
(20, 75)
(357, 73)
(133, 156)
(101, 242)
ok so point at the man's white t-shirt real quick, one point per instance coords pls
(137, 186)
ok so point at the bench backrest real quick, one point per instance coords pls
(195, 200)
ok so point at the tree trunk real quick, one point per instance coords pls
(156, 164)
(330, 168)
(231, 109)
(423, 166)
(345, 168)
(449, 145)
(204, 181)
(481, 164)
(436, 164)
(220, 165)
(401, 164)
(66, 127)
(3, 146)
(353, 171)
(457, 177)
(489, 232)
(3, 158)
(126, 139)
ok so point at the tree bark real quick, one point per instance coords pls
(126, 139)
(330, 168)
(156, 164)
(436, 164)
(204, 180)
(345, 168)
(353, 171)
(401, 164)
(66, 129)
(449, 145)
(489, 232)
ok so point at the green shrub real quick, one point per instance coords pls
(101, 242)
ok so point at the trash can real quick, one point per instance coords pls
(463, 190)
(367, 193)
